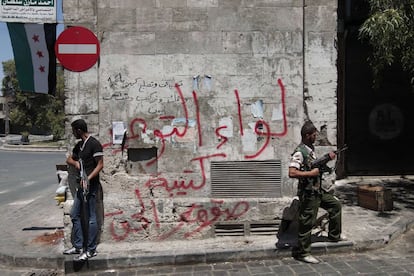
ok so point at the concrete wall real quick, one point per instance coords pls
(197, 81)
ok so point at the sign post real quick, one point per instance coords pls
(77, 49)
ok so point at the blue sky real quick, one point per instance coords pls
(6, 51)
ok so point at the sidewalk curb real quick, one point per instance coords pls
(130, 260)
(29, 260)
(32, 148)
(136, 258)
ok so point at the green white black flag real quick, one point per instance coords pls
(34, 55)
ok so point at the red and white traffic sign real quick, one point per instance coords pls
(77, 49)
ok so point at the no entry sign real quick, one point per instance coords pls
(77, 49)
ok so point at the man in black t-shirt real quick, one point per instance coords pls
(88, 150)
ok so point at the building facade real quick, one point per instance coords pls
(211, 96)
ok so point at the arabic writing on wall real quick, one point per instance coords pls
(195, 218)
(198, 216)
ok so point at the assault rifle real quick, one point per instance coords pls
(84, 181)
(321, 163)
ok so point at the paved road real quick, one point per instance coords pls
(28, 186)
(27, 189)
(26, 176)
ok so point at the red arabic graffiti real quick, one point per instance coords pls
(179, 187)
(262, 128)
(197, 215)
(204, 217)
(221, 137)
(236, 93)
(200, 138)
(132, 127)
(125, 225)
(267, 133)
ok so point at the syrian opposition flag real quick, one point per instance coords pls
(34, 56)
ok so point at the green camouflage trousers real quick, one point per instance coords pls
(308, 211)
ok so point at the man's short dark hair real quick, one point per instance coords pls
(80, 124)
(307, 128)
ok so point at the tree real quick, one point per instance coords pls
(34, 110)
(9, 83)
(389, 30)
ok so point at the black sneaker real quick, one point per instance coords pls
(72, 251)
(85, 256)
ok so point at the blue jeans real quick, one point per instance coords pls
(92, 226)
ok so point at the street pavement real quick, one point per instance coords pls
(39, 252)
(394, 258)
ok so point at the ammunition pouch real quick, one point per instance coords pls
(309, 186)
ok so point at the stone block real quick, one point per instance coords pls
(320, 18)
(117, 20)
(133, 43)
(276, 19)
(171, 3)
(126, 4)
(203, 43)
(279, 3)
(230, 19)
(154, 19)
(202, 3)
(172, 42)
(187, 19)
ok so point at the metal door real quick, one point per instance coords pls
(378, 124)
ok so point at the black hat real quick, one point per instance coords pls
(307, 128)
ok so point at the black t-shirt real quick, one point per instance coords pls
(88, 151)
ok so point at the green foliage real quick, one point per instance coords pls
(9, 82)
(390, 32)
(30, 110)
